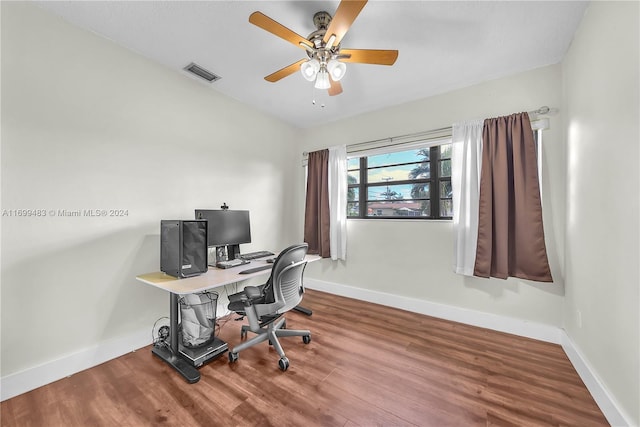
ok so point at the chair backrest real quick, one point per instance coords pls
(288, 256)
(288, 287)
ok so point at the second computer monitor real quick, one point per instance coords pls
(226, 228)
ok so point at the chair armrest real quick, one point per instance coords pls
(252, 292)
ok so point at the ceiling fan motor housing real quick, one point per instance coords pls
(321, 20)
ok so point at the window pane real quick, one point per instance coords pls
(446, 207)
(397, 185)
(353, 194)
(398, 192)
(398, 173)
(353, 209)
(445, 151)
(445, 189)
(399, 157)
(398, 208)
(420, 191)
(353, 177)
(445, 168)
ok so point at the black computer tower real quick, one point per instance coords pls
(183, 247)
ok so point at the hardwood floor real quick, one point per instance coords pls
(366, 365)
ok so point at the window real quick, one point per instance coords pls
(410, 184)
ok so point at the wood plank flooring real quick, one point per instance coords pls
(367, 365)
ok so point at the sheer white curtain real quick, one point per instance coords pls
(466, 162)
(338, 202)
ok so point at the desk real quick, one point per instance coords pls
(213, 278)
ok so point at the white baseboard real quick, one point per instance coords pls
(607, 403)
(495, 322)
(547, 333)
(37, 376)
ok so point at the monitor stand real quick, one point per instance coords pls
(223, 253)
(233, 252)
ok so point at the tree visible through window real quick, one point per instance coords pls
(404, 184)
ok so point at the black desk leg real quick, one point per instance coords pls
(171, 355)
(302, 309)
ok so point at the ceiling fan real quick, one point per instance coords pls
(326, 60)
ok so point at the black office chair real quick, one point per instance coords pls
(265, 305)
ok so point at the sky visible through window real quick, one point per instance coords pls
(380, 193)
(390, 174)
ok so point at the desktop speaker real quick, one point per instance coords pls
(183, 247)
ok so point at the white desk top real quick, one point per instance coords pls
(213, 278)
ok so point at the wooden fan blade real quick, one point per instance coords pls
(369, 56)
(284, 72)
(335, 89)
(263, 21)
(347, 12)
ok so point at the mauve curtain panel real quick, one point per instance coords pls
(510, 232)
(316, 216)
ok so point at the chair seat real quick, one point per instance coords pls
(268, 319)
(237, 306)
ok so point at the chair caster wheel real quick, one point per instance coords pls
(306, 339)
(233, 357)
(283, 363)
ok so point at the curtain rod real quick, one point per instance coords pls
(542, 110)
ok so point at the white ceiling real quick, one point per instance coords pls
(443, 45)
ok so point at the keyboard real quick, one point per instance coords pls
(232, 263)
(255, 255)
(256, 269)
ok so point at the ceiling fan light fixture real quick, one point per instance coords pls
(336, 69)
(310, 69)
(322, 81)
(331, 41)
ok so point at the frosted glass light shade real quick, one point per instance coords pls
(322, 81)
(336, 69)
(310, 69)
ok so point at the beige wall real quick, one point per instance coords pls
(600, 77)
(87, 124)
(414, 258)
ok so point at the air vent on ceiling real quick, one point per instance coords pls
(197, 70)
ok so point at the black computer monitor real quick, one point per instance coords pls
(226, 228)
